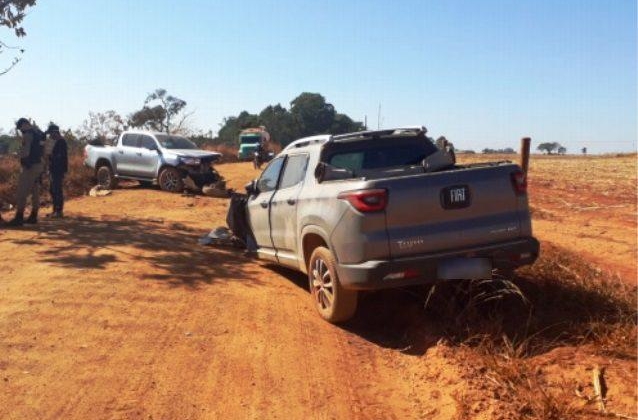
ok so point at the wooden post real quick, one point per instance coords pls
(525, 145)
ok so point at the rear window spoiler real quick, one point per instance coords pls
(415, 130)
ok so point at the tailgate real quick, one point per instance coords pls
(452, 209)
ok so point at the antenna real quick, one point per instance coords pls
(379, 117)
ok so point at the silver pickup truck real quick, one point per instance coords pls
(383, 209)
(150, 157)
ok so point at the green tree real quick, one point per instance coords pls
(344, 124)
(12, 12)
(233, 125)
(313, 114)
(280, 124)
(562, 150)
(309, 114)
(548, 148)
(159, 111)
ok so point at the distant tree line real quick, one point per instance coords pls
(506, 151)
(309, 114)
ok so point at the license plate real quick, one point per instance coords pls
(455, 197)
(465, 269)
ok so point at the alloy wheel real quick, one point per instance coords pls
(322, 284)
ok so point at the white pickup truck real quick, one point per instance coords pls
(151, 157)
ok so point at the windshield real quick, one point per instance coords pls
(175, 142)
(249, 139)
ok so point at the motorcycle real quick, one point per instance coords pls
(257, 160)
(260, 157)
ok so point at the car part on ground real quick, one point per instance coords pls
(99, 191)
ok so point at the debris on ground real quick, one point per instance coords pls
(222, 236)
(214, 186)
(99, 191)
(238, 233)
(217, 189)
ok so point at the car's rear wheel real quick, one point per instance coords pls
(333, 302)
(105, 177)
(171, 180)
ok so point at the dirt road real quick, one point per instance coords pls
(117, 313)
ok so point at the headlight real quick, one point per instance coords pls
(191, 161)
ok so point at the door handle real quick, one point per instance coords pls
(120, 152)
(139, 153)
(264, 204)
(291, 201)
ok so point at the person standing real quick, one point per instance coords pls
(58, 167)
(29, 180)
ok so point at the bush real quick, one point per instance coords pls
(77, 182)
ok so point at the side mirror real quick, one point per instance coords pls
(320, 172)
(251, 187)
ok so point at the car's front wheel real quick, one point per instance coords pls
(333, 302)
(171, 180)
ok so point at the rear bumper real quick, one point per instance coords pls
(423, 269)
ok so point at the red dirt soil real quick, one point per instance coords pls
(116, 313)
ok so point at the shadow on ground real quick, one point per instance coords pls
(558, 301)
(170, 250)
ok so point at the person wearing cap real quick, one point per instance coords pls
(58, 166)
(30, 155)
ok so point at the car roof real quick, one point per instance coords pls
(354, 136)
(152, 133)
(307, 142)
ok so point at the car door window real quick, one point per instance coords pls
(268, 180)
(294, 171)
(147, 142)
(130, 140)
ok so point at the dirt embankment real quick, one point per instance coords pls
(115, 312)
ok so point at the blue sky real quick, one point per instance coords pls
(482, 73)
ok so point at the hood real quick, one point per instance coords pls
(194, 153)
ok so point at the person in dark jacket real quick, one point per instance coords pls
(30, 155)
(58, 166)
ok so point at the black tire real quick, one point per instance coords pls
(170, 179)
(334, 303)
(105, 177)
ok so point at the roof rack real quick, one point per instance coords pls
(386, 132)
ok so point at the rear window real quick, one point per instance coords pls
(380, 154)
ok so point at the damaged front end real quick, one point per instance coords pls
(199, 175)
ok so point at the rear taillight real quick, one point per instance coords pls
(519, 181)
(366, 201)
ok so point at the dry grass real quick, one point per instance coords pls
(77, 182)
(561, 301)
